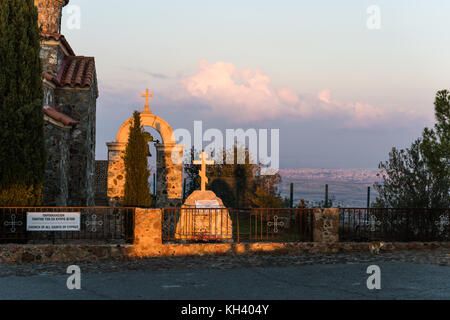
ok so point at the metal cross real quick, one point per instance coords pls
(202, 172)
(275, 224)
(13, 223)
(442, 223)
(94, 223)
(147, 96)
(373, 222)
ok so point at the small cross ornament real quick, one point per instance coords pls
(13, 223)
(373, 223)
(275, 224)
(442, 223)
(94, 223)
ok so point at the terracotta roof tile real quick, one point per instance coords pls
(59, 116)
(77, 72)
(50, 78)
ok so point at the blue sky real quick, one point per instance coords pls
(342, 95)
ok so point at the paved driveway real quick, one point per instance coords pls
(399, 280)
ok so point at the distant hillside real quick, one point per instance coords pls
(347, 187)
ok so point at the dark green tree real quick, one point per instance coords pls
(419, 176)
(254, 188)
(137, 187)
(191, 173)
(266, 193)
(406, 180)
(222, 187)
(22, 146)
(436, 150)
(227, 179)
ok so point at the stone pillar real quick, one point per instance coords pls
(326, 225)
(169, 172)
(147, 228)
(116, 173)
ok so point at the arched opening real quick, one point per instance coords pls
(148, 120)
(152, 161)
(167, 158)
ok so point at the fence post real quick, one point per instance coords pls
(368, 197)
(237, 220)
(291, 199)
(237, 194)
(326, 196)
(407, 226)
(326, 225)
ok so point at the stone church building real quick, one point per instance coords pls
(70, 95)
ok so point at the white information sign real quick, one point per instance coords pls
(53, 221)
(207, 204)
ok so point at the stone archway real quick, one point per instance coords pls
(169, 172)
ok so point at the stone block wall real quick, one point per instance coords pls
(169, 174)
(49, 96)
(116, 173)
(56, 188)
(89, 253)
(80, 105)
(148, 227)
(51, 57)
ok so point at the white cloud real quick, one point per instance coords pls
(324, 95)
(244, 95)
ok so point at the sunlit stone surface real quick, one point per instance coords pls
(203, 215)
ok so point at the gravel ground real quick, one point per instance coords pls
(440, 257)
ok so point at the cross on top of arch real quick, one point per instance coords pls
(147, 95)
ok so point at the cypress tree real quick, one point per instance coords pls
(137, 188)
(22, 146)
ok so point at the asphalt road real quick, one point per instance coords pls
(343, 281)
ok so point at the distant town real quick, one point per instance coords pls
(347, 187)
(354, 175)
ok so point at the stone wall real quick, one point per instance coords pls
(56, 189)
(51, 57)
(169, 175)
(80, 105)
(148, 243)
(116, 173)
(49, 96)
(69, 179)
(12, 253)
(326, 225)
(147, 228)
